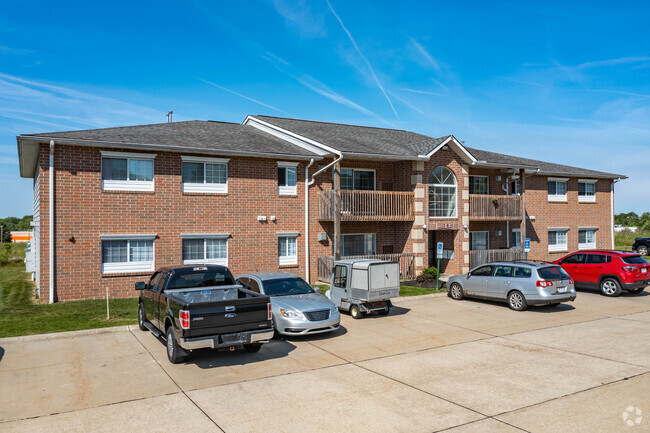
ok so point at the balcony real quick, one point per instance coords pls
(494, 207)
(359, 205)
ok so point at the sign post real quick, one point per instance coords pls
(527, 247)
(439, 254)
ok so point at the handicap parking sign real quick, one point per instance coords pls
(440, 249)
(527, 245)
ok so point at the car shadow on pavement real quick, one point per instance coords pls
(624, 293)
(565, 306)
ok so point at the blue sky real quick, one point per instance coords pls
(566, 82)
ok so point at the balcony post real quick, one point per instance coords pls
(336, 186)
(522, 191)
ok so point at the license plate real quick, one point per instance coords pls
(644, 270)
(561, 290)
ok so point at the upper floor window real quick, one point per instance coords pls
(128, 253)
(212, 249)
(359, 179)
(586, 190)
(586, 238)
(479, 185)
(205, 174)
(442, 193)
(514, 187)
(557, 189)
(127, 171)
(359, 244)
(287, 178)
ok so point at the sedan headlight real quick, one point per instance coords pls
(292, 314)
(334, 309)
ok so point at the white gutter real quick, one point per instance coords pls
(51, 197)
(311, 182)
(612, 211)
(307, 220)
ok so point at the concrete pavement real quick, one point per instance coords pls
(433, 364)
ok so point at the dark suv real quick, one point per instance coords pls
(607, 270)
(641, 246)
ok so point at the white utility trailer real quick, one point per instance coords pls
(362, 286)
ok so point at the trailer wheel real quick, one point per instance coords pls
(384, 312)
(355, 312)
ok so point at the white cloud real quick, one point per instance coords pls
(300, 16)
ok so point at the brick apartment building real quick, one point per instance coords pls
(259, 196)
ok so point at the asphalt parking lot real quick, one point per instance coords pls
(433, 364)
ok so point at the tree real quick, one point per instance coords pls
(5, 233)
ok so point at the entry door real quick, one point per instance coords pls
(432, 248)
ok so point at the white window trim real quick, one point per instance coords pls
(559, 197)
(125, 267)
(206, 188)
(486, 177)
(288, 260)
(587, 198)
(559, 247)
(587, 245)
(487, 239)
(516, 231)
(374, 242)
(374, 171)
(455, 215)
(284, 189)
(126, 185)
(219, 261)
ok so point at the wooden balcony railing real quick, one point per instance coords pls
(406, 265)
(478, 258)
(494, 207)
(368, 205)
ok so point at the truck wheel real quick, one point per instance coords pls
(355, 312)
(456, 292)
(516, 301)
(174, 352)
(253, 347)
(610, 287)
(643, 250)
(141, 317)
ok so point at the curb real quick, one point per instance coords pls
(418, 297)
(56, 335)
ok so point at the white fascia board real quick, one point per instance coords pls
(205, 159)
(147, 237)
(458, 147)
(291, 137)
(373, 156)
(111, 154)
(599, 176)
(205, 236)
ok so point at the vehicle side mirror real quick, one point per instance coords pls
(141, 285)
(469, 274)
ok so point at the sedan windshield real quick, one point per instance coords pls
(553, 273)
(284, 287)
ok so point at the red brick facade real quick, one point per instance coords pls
(84, 212)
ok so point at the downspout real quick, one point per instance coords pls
(51, 197)
(307, 185)
(311, 162)
(612, 211)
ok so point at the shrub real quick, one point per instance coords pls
(431, 270)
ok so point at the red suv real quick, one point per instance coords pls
(607, 270)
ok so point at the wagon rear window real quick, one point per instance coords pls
(552, 273)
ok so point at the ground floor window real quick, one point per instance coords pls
(515, 239)
(586, 238)
(127, 254)
(557, 240)
(211, 249)
(288, 249)
(359, 244)
(479, 241)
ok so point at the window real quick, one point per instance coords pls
(521, 272)
(479, 241)
(208, 249)
(340, 276)
(515, 239)
(287, 178)
(442, 193)
(598, 259)
(479, 185)
(127, 254)
(503, 271)
(586, 239)
(208, 175)
(288, 248)
(359, 244)
(483, 271)
(553, 273)
(354, 178)
(586, 190)
(514, 187)
(127, 171)
(557, 189)
(557, 239)
(574, 259)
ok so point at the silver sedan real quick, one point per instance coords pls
(297, 309)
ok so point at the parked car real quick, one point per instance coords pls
(641, 246)
(609, 271)
(519, 283)
(362, 286)
(297, 308)
(197, 307)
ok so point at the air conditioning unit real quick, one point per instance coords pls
(498, 177)
(497, 232)
(322, 237)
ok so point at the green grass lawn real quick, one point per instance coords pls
(404, 290)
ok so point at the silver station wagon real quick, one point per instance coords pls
(519, 283)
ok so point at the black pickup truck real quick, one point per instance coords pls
(197, 307)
